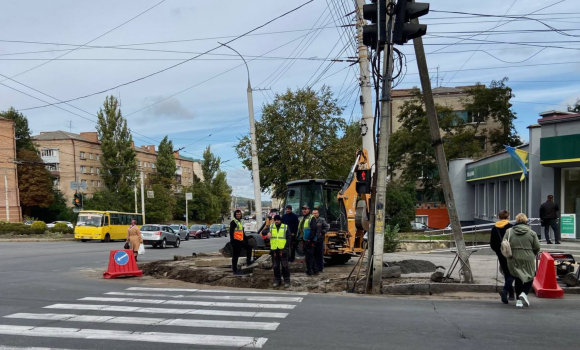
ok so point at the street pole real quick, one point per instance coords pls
(367, 120)
(186, 213)
(382, 163)
(135, 190)
(7, 197)
(254, 147)
(142, 195)
(437, 143)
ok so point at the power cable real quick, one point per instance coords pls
(175, 65)
(100, 36)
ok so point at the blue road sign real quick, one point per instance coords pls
(121, 258)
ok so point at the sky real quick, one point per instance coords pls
(71, 49)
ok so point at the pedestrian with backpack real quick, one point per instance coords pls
(497, 235)
(521, 246)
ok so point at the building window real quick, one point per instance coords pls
(56, 182)
(92, 183)
(52, 167)
(92, 170)
(98, 183)
(98, 171)
(83, 169)
(83, 156)
(153, 165)
(90, 156)
(145, 164)
(139, 163)
(98, 157)
(49, 152)
(84, 182)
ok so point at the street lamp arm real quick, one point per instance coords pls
(242, 57)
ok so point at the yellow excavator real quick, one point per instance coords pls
(346, 211)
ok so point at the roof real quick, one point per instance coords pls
(59, 135)
(555, 112)
(560, 118)
(436, 91)
(190, 159)
(498, 153)
(336, 183)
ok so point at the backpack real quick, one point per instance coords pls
(506, 248)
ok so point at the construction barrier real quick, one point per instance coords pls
(545, 283)
(122, 263)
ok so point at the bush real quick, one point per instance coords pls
(21, 229)
(391, 239)
(38, 226)
(62, 228)
(400, 208)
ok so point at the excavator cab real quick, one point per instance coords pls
(317, 194)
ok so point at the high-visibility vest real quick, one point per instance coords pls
(278, 240)
(239, 231)
(305, 226)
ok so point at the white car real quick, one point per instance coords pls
(51, 225)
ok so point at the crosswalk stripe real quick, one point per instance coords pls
(220, 297)
(151, 337)
(192, 303)
(153, 310)
(214, 291)
(27, 348)
(180, 322)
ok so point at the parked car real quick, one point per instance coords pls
(51, 225)
(159, 236)
(181, 230)
(28, 222)
(218, 230)
(198, 231)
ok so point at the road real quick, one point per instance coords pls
(49, 298)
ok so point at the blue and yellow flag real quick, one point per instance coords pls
(521, 157)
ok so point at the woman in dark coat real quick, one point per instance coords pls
(497, 234)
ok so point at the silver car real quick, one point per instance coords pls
(181, 230)
(159, 236)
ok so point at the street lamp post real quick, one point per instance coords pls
(254, 147)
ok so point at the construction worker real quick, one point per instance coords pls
(319, 227)
(305, 234)
(239, 241)
(280, 240)
(291, 220)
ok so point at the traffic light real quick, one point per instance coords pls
(405, 11)
(376, 33)
(78, 200)
(363, 181)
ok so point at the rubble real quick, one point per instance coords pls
(413, 266)
(438, 275)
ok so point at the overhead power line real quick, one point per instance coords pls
(175, 65)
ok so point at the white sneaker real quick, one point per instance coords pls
(524, 300)
(519, 303)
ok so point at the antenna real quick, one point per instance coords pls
(69, 125)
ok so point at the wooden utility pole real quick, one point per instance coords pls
(382, 164)
(437, 144)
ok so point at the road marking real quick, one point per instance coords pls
(15, 348)
(154, 310)
(149, 321)
(220, 297)
(214, 291)
(188, 302)
(150, 337)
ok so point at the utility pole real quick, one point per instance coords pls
(7, 197)
(367, 121)
(382, 163)
(135, 190)
(437, 143)
(142, 195)
(254, 147)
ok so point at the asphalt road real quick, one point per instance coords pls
(61, 276)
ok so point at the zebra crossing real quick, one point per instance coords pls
(192, 314)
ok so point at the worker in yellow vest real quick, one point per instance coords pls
(239, 242)
(280, 241)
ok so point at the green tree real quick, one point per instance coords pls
(166, 162)
(411, 153)
(107, 200)
(340, 154)
(160, 208)
(58, 210)
(493, 102)
(294, 133)
(22, 131)
(34, 182)
(118, 156)
(223, 192)
(575, 108)
(400, 207)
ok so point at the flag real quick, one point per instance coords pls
(521, 157)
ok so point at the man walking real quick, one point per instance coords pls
(319, 227)
(291, 220)
(239, 241)
(548, 216)
(280, 241)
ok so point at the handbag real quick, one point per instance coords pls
(127, 245)
(506, 248)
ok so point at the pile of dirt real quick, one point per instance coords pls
(414, 266)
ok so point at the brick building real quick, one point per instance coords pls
(9, 195)
(76, 157)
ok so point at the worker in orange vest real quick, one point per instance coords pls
(239, 241)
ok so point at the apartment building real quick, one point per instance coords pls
(9, 196)
(76, 157)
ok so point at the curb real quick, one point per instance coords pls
(442, 288)
(36, 240)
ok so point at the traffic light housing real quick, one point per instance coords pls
(78, 200)
(375, 34)
(363, 181)
(405, 11)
